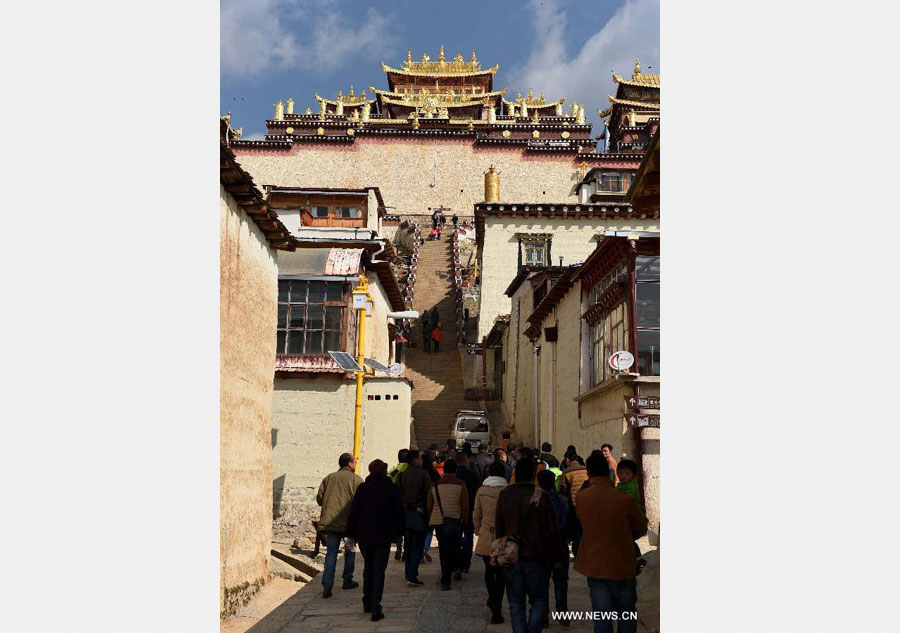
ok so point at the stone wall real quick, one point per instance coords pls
(414, 174)
(313, 420)
(573, 239)
(248, 298)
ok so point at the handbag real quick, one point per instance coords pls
(451, 527)
(505, 550)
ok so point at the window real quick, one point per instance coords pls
(534, 252)
(607, 336)
(310, 317)
(615, 181)
(347, 212)
(648, 312)
(319, 212)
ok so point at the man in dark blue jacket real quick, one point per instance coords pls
(376, 520)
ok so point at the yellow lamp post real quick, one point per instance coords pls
(361, 300)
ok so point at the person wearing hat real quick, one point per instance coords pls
(376, 520)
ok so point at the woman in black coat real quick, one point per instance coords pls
(376, 520)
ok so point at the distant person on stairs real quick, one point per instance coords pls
(426, 332)
(435, 315)
(436, 336)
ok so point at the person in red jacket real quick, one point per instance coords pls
(436, 335)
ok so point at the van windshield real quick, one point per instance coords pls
(472, 425)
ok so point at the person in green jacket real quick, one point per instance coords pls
(626, 470)
(335, 494)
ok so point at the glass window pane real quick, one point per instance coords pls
(298, 316)
(315, 317)
(334, 318)
(648, 352)
(314, 344)
(334, 291)
(295, 342)
(647, 305)
(298, 292)
(319, 212)
(646, 268)
(279, 344)
(283, 287)
(316, 292)
(333, 342)
(282, 314)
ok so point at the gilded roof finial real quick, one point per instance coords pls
(351, 90)
(474, 59)
(542, 97)
(518, 97)
(340, 95)
(290, 106)
(441, 54)
(637, 68)
(531, 94)
(425, 57)
(308, 111)
(536, 119)
(408, 56)
(279, 111)
(459, 58)
(363, 94)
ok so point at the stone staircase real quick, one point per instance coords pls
(438, 389)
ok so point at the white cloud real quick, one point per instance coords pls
(632, 32)
(262, 35)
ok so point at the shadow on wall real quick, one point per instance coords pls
(277, 493)
(274, 437)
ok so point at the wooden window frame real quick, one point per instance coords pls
(286, 328)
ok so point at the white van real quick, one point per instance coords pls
(472, 427)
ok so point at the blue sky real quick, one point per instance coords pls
(274, 49)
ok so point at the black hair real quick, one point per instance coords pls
(427, 461)
(630, 464)
(401, 455)
(546, 480)
(498, 451)
(450, 466)
(596, 451)
(411, 456)
(546, 447)
(609, 446)
(597, 466)
(525, 452)
(571, 448)
(570, 455)
(482, 448)
(344, 459)
(525, 470)
(462, 458)
(497, 469)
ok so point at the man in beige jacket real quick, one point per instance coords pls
(448, 509)
(335, 494)
(484, 517)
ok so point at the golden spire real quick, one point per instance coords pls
(409, 56)
(308, 111)
(518, 97)
(351, 90)
(637, 68)
(531, 94)
(340, 95)
(542, 98)
(473, 56)
(290, 106)
(441, 54)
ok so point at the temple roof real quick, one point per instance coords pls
(629, 102)
(534, 103)
(440, 68)
(350, 100)
(442, 99)
(638, 78)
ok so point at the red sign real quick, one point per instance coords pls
(642, 420)
(642, 402)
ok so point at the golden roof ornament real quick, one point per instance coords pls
(279, 111)
(320, 131)
(558, 109)
(474, 60)
(236, 134)
(322, 107)
(535, 119)
(366, 111)
(290, 106)
(518, 97)
(491, 114)
(584, 167)
(409, 56)
(425, 57)
(536, 134)
(340, 96)
(631, 120)
(459, 58)
(542, 98)
(441, 54)
(351, 91)
(227, 117)
(637, 69)
(308, 111)
(523, 111)
(579, 119)
(530, 94)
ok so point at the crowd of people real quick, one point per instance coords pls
(519, 509)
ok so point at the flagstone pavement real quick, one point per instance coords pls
(424, 609)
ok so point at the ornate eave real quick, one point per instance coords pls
(640, 80)
(349, 102)
(636, 104)
(534, 104)
(440, 69)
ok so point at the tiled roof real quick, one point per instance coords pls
(638, 79)
(637, 104)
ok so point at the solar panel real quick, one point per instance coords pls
(345, 361)
(374, 364)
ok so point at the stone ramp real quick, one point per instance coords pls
(438, 387)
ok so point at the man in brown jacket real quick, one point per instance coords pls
(611, 522)
(335, 495)
(573, 479)
(448, 507)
